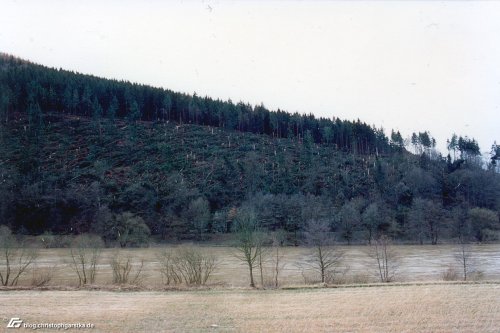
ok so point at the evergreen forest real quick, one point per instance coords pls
(133, 163)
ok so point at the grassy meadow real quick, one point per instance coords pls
(413, 263)
(389, 308)
(419, 301)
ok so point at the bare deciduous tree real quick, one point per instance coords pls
(278, 265)
(263, 254)
(248, 241)
(325, 256)
(386, 257)
(464, 257)
(15, 258)
(85, 253)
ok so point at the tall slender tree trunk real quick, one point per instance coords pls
(252, 283)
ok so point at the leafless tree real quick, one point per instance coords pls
(277, 255)
(263, 254)
(326, 257)
(464, 257)
(15, 258)
(248, 241)
(386, 257)
(85, 253)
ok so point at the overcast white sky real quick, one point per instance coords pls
(408, 65)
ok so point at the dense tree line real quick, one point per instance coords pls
(79, 154)
(27, 86)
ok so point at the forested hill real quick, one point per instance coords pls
(84, 154)
(29, 85)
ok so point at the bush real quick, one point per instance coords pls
(477, 275)
(134, 231)
(483, 222)
(15, 258)
(186, 264)
(122, 268)
(450, 274)
(42, 276)
(359, 278)
(85, 253)
(125, 229)
(490, 235)
(168, 270)
(47, 240)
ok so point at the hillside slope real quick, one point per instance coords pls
(76, 168)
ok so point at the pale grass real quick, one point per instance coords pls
(417, 263)
(410, 308)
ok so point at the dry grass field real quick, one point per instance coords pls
(422, 308)
(228, 305)
(415, 263)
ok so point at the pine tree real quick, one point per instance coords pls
(112, 109)
(453, 145)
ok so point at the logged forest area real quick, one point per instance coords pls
(130, 163)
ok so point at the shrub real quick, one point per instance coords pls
(168, 270)
(15, 258)
(186, 264)
(125, 229)
(85, 252)
(122, 268)
(42, 276)
(47, 240)
(450, 274)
